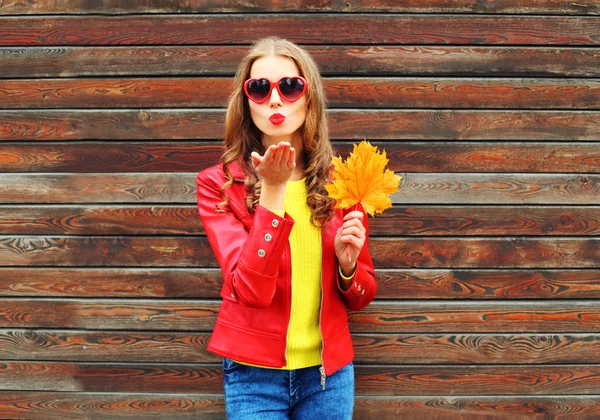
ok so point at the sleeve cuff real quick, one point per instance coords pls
(280, 213)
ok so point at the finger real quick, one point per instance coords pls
(268, 157)
(285, 153)
(256, 159)
(354, 222)
(353, 230)
(291, 163)
(355, 214)
(277, 153)
(352, 241)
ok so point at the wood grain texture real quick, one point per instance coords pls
(360, 92)
(402, 284)
(439, 220)
(81, 405)
(482, 349)
(174, 124)
(370, 380)
(378, 317)
(521, 252)
(110, 157)
(475, 408)
(333, 60)
(477, 380)
(496, 316)
(299, 28)
(415, 188)
(36, 7)
(113, 282)
(487, 266)
(114, 405)
(136, 220)
(488, 284)
(99, 346)
(385, 349)
(138, 314)
(498, 189)
(100, 157)
(142, 251)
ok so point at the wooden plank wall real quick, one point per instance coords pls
(488, 265)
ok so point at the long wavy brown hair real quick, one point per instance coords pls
(242, 137)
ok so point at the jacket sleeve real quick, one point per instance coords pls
(363, 287)
(249, 259)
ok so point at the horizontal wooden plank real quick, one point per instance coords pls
(361, 92)
(333, 60)
(38, 7)
(440, 220)
(391, 284)
(112, 251)
(430, 157)
(115, 346)
(493, 316)
(488, 284)
(474, 408)
(99, 346)
(79, 405)
(173, 124)
(110, 157)
(497, 188)
(299, 28)
(99, 188)
(109, 314)
(370, 380)
(478, 380)
(155, 220)
(180, 251)
(114, 405)
(415, 188)
(379, 317)
(522, 349)
(112, 282)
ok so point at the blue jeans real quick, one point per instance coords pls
(272, 394)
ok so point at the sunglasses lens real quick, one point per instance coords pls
(259, 89)
(291, 88)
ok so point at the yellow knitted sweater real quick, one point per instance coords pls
(304, 334)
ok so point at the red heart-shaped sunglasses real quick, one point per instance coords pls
(290, 88)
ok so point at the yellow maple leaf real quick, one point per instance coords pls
(363, 177)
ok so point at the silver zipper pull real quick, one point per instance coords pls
(322, 370)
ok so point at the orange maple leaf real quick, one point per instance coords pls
(363, 177)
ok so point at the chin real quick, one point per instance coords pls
(278, 130)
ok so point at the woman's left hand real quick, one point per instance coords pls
(349, 241)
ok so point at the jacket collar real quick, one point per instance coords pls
(237, 171)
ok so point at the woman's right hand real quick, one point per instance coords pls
(276, 166)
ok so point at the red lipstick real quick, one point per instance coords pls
(277, 119)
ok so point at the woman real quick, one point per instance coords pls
(291, 263)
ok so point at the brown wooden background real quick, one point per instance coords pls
(488, 265)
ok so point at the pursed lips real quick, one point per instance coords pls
(277, 118)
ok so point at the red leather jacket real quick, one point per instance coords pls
(254, 254)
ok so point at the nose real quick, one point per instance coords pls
(275, 99)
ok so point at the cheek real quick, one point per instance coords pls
(254, 113)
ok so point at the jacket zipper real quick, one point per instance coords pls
(322, 367)
(289, 284)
